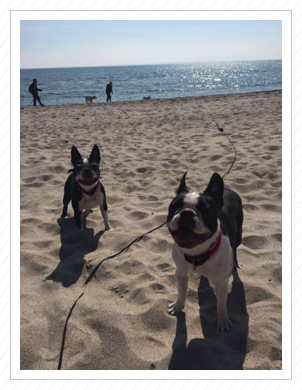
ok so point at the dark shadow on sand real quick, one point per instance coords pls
(75, 246)
(216, 351)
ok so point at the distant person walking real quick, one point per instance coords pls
(33, 89)
(109, 91)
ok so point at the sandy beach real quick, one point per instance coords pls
(122, 321)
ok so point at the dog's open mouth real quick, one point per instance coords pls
(88, 180)
(184, 236)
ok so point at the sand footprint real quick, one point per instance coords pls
(255, 242)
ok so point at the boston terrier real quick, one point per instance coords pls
(207, 229)
(83, 187)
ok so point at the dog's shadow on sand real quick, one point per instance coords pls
(75, 245)
(216, 351)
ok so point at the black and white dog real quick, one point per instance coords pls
(83, 187)
(207, 229)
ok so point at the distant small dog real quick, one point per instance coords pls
(89, 98)
(147, 97)
(83, 187)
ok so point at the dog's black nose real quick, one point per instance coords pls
(186, 218)
(86, 171)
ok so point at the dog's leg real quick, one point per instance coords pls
(105, 217)
(235, 264)
(64, 212)
(78, 217)
(182, 285)
(104, 211)
(66, 200)
(66, 197)
(239, 221)
(224, 322)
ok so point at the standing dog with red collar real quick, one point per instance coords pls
(83, 187)
(207, 229)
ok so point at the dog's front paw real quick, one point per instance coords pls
(108, 227)
(224, 325)
(175, 308)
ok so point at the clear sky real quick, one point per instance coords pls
(50, 44)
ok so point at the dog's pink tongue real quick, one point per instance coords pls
(184, 235)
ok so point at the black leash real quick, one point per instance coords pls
(120, 252)
(90, 278)
(65, 329)
(233, 162)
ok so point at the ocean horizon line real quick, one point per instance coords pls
(155, 64)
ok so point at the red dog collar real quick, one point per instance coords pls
(92, 192)
(203, 257)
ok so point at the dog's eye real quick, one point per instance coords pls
(94, 166)
(78, 168)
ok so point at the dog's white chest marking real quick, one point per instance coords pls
(217, 269)
(89, 202)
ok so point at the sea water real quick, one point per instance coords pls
(69, 85)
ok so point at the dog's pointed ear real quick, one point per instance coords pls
(75, 156)
(215, 189)
(95, 154)
(182, 186)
